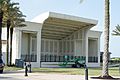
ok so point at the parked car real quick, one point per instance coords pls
(1, 66)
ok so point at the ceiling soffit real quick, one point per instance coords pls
(54, 28)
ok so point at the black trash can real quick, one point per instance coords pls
(19, 63)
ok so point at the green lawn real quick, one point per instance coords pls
(77, 71)
(114, 71)
(6, 68)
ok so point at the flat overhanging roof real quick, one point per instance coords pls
(58, 26)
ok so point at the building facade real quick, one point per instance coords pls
(51, 36)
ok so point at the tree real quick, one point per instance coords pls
(105, 72)
(7, 47)
(8, 7)
(16, 19)
(6, 21)
(116, 32)
(13, 17)
(2, 2)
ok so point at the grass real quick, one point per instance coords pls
(77, 71)
(6, 68)
(114, 71)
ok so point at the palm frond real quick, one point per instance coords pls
(14, 4)
(116, 32)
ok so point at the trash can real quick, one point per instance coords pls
(19, 63)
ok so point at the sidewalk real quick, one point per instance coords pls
(39, 76)
(19, 75)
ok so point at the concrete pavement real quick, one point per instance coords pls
(39, 76)
(19, 75)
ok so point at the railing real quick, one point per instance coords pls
(59, 58)
(114, 62)
(93, 59)
(29, 58)
(56, 58)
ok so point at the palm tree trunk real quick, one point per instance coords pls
(11, 36)
(1, 16)
(105, 72)
(7, 55)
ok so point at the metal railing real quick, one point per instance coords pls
(114, 62)
(59, 58)
(56, 58)
(93, 59)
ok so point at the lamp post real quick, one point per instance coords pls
(29, 65)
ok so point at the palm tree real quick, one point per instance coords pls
(2, 2)
(116, 32)
(13, 17)
(10, 7)
(16, 19)
(7, 47)
(105, 71)
(6, 21)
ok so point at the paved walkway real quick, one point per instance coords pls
(38, 76)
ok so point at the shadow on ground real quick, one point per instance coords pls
(5, 77)
(8, 78)
(50, 71)
(108, 78)
(10, 72)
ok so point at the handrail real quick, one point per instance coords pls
(59, 58)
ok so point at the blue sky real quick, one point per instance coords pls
(93, 9)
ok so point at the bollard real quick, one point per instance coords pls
(29, 67)
(26, 69)
(86, 72)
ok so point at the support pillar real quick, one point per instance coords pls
(38, 48)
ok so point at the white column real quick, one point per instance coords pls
(86, 47)
(83, 43)
(75, 48)
(86, 44)
(16, 42)
(98, 41)
(58, 48)
(19, 44)
(38, 48)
